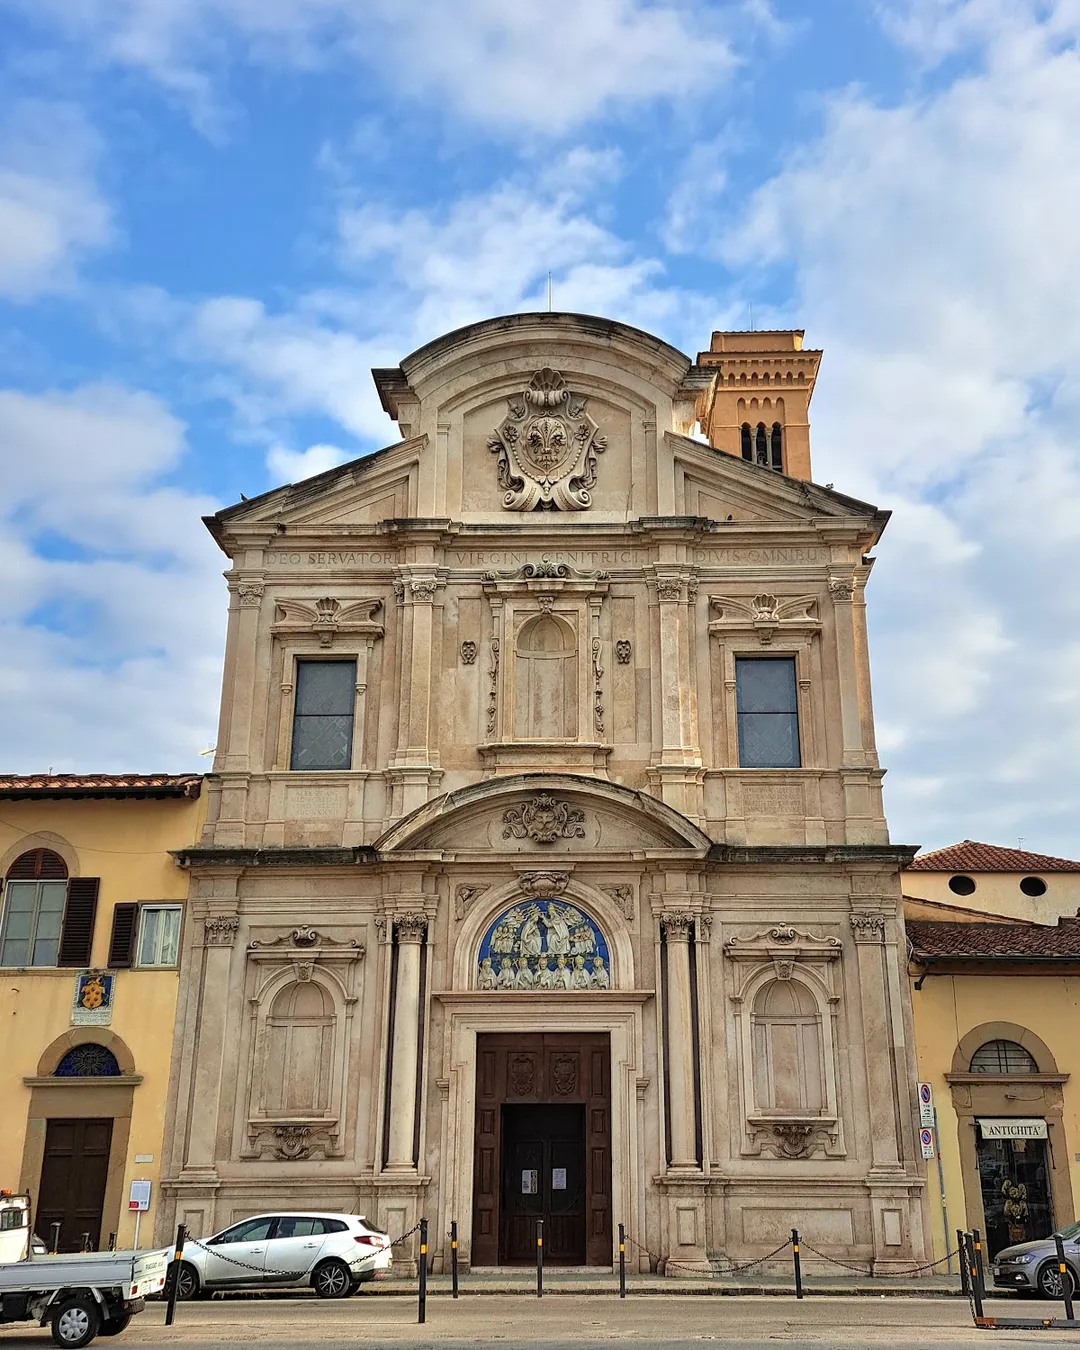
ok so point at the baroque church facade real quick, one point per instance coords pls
(545, 872)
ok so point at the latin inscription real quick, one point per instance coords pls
(584, 558)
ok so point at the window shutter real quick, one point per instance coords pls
(122, 942)
(77, 933)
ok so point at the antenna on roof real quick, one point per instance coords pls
(751, 316)
(1019, 841)
(549, 292)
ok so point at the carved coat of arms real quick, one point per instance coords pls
(544, 819)
(547, 446)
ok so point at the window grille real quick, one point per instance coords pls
(1002, 1057)
(88, 1061)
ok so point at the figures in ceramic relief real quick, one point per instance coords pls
(544, 945)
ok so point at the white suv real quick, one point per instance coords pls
(334, 1253)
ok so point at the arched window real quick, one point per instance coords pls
(545, 681)
(88, 1061)
(761, 445)
(776, 443)
(747, 442)
(787, 1048)
(33, 912)
(1002, 1057)
(299, 1052)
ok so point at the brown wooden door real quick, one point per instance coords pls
(517, 1071)
(73, 1176)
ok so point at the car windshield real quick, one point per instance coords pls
(1072, 1231)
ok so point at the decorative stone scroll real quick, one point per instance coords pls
(220, 929)
(764, 614)
(543, 819)
(328, 617)
(547, 447)
(868, 927)
(545, 945)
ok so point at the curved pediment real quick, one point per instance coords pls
(544, 815)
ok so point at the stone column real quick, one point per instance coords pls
(679, 1048)
(411, 930)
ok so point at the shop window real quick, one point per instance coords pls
(88, 1061)
(323, 715)
(1002, 1057)
(767, 712)
(787, 1047)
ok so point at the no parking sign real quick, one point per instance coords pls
(926, 1138)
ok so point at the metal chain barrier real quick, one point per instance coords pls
(718, 1271)
(884, 1275)
(245, 1265)
(405, 1236)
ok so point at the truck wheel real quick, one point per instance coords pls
(332, 1279)
(75, 1322)
(187, 1282)
(113, 1326)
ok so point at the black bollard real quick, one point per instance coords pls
(54, 1229)
(539, 1258)
(965, 1285)
(422, 1309)
(453, 1257)
(173, 1277)
(798, 1263)
(622, 1261)
(973, 1274)
(1066, 1278)
(980, 1273)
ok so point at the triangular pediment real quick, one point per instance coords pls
(720, 487)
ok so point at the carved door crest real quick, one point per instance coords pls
(522, 1074)
(547, 446)
(564, 1074)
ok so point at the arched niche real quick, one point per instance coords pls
(546, 679)
(599, 910)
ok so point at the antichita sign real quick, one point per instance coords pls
(1013, 1127)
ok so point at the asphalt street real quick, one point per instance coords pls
(568, 1320)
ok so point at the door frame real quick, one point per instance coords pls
(620, 1014)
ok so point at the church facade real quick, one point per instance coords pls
(545, 872)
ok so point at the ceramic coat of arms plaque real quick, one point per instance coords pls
(547, 446)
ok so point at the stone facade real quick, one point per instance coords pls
(543, 828)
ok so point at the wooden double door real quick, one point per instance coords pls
(543, 1149)
(74, 1173)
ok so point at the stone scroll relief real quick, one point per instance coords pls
(544, 945)
(547, 446)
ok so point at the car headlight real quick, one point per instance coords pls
(1023, 1259)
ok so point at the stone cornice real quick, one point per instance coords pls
(318, 856)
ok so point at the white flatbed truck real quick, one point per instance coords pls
(77, 1296)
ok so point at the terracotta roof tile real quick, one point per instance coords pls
(41, 785)
(971, 856)
(993, 941)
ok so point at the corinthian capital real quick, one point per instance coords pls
(410, 927)
(677, 927)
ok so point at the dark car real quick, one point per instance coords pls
(1032, 1267)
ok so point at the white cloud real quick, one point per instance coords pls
(933, 248)
(291, 466)
(51, 211)
(111, 616)
(534, 65)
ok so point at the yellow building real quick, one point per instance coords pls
(90, 927)
(994, 965)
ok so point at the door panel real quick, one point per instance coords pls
(239, 1254)
(74, 1172)
(294, 1248)
(535, 1069)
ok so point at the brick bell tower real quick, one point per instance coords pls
(759, 406)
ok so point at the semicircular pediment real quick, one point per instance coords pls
(543, 814)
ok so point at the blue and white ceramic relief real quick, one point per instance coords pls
(545, 945)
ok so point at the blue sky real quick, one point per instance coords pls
(216, 215)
